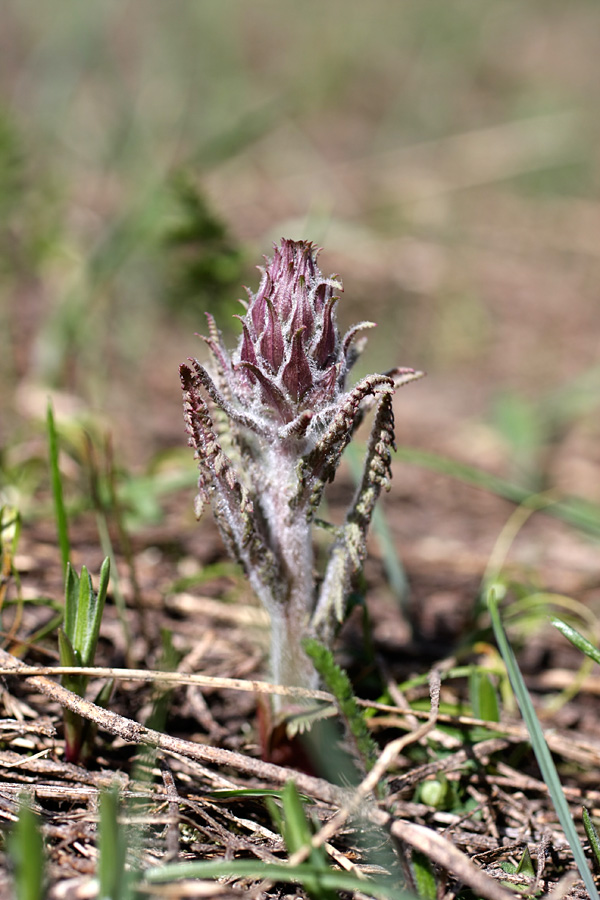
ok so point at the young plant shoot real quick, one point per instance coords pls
(77, 641)
(269, 422)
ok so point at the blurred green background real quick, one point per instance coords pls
(445, 155)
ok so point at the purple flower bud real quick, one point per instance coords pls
(290, 336)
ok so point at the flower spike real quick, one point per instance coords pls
(269, 422)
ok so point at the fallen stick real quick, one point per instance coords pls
(134, 733)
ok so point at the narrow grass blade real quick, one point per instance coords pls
(297, 834)
(257, 793)
(577, 639)
(575, 510)
(26, 850)
(250, 868)
(113, 884)
(297, 831)
(57, 491)
(540, 747)
(592, 836)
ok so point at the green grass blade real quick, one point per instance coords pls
(297, 831)
(297, 834)
(57, 491)
(250, 868)
(540, 747)
(26, 850)
(276, 814)
(256, 793)
(113, 884)
(592, 836)
(424, 876)
(95, 614)
(577, 639)
(575, 510)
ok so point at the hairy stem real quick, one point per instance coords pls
(291, 539)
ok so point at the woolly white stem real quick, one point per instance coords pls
(292, 541)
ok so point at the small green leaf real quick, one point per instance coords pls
(83, 610)
(525, 866)
(67, 654)
(424, 876)
(484, 700)
(592, 836)
(77, 647)
(85, 605)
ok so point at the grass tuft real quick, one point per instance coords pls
(540, 746)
